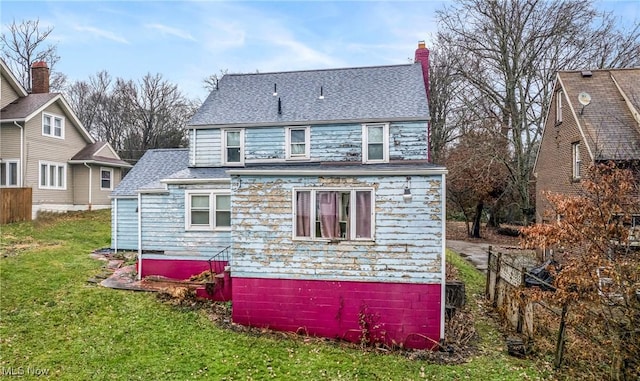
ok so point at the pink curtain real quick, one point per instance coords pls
(303, 214)
(328, 214)
(363, 214)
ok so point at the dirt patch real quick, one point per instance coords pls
(457, 230)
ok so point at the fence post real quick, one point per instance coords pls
(523, 275)
(495, 287)
(488, 282)
(560, 343)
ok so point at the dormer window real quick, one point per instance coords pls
(375, 143)
(233, 147)
(297, 143)
(559, 107)
(53, 125)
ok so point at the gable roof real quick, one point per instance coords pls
(378, 93)
(13, 81)
(610, 122)
(90, 154)
(152, 167)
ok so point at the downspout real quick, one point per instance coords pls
(443, 266)
(22, 164)
(139, 237)
(90, 181)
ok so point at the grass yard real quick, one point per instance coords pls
(53, 322)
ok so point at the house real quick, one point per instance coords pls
(594, 117)
(314, 189)
(43, 146)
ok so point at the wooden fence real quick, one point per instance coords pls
(15, 205)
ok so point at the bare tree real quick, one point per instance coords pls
(509, 52)
(23, 44)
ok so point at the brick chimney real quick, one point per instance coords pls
(422, 56)
(39, 78)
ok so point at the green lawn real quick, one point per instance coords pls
(52, 320)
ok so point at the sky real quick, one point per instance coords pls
(186, 41)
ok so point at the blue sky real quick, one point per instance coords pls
(186, 41)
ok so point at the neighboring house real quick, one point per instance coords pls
(317, 185)
(43, 146)
(594, 117)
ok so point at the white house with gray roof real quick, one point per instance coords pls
(315, 191)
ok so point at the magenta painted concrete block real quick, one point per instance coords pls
(391, 313)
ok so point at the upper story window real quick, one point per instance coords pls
(9, 173)
(208, 210)
(106, 178)
(375, 143)
(53, 175)
(297, 142)
(53, 125)
(233, 147)
(336, 214)
(559, 95)
(575, 148)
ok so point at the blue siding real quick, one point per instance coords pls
(124, 224)
(163, 225)
(331, 142)
(408, 244)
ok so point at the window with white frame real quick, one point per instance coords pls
(297, 142)
(333, 214)
(375, 143)
(208, 210)
(559, 107)
(9, 173)
(52, 125)
(106, 178)
(53, 175)
(233, 147)
(575, 148)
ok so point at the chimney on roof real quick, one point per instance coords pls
(422, 56)
(39, 78)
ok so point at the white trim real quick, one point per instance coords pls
(103, 163)
(47, 176)
(307, 142)
(559, 106)
(335, 172)
(139, 236)
(193, 147)
(67, 110)
(223, 180)
(576, 161)
(352, 216)
(365, 143)
(443, 266)
(315, 122)
(14, 83)
(213, 195)
(53, 117)
(223, 146)
(577, 120)
(114, 215)
(111, 174)
(7, 162)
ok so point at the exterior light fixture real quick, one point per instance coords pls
(407, 196)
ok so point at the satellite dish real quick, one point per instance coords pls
(584, 98)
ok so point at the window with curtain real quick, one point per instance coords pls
(297, 142)
(334, 214)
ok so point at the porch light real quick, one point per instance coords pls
(407, 196)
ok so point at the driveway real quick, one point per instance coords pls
(476, 253)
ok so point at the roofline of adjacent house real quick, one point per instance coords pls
(338, 172)
(223, 180)
(15, 83)
(309, 122)
(105, 163)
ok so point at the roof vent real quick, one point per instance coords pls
(321, 93)
(275, 89)
(586, 73)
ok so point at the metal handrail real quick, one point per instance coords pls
(221, 256)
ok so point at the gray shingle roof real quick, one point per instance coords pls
(25, 106)
(88, 153)
(155, 164)
(612, 131)
(364, 94)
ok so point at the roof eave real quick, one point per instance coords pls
(310, 122)
(338, 172)
(98, 162)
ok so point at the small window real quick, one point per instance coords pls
(207, 210)
(559, 95)
(53, 175)
(342, 214)
(106, 177)
(233, 147)
(375, 143)
(297, 142)
(576, 160)
(53, 126)
(9, 173)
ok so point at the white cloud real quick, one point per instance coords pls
(167, 30)
(102, 33)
